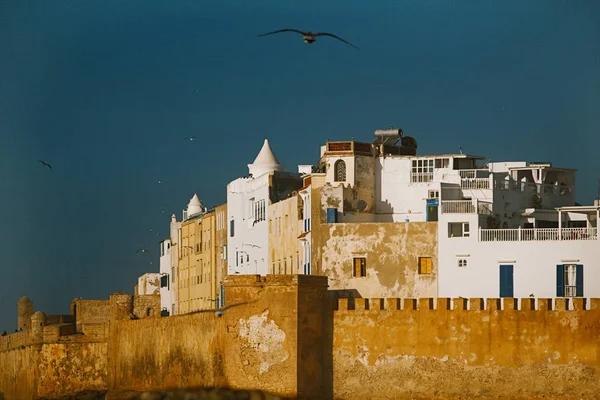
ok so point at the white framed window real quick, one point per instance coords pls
(422, 171)
(458, 229)
(433, 194)
(251, 207)
(462, 262)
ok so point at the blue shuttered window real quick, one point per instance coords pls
(560, 280)
(579, 280)
(331, 215)
(506, 281)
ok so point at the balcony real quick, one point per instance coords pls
(537, 234)
(458, 207)
(475, 183)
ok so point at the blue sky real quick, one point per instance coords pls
(106, 90)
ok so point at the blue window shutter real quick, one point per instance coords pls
(579, 280)
(331, 215)
(560, 281)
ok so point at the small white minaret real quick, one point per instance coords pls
(264, 162)
(194, 206)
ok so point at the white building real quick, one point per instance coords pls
(167, 304)
(248, 199)
(505, 229)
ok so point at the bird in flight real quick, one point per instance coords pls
(189, 138)
(143, 251)
(310, 37)
(45, 164)
(219, 311)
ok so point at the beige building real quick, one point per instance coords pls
(285, 221)
(220, 248)
(361, 250)
(197, 259)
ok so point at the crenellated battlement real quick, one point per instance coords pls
(463, 304)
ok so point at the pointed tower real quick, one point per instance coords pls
(194, 206)
(264, 162)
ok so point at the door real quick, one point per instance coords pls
(432, 210)
(506, 281)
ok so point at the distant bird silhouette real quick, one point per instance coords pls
(45, 164)
(143, 251)
(219, 311)
(310, 37)
(189, 138)
(159, 181)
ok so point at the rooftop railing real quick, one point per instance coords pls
(537, 234)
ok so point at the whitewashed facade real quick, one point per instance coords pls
(506, 229)
(247, 205)
(166, 302)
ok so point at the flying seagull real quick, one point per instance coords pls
(310, 37)
(45, 164)
(143, 251)
(219, 311)
(189, 138)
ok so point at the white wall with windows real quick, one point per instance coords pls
(247, 236)
(523, 266)
(165, 276)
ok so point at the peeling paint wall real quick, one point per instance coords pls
(149, 283)
(285, 250)
(63, 369)
(473, 353)
(391, 251)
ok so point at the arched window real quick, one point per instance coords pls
(339, 169)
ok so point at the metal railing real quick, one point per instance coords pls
(458, 207)
(537, 234)
(475, 183)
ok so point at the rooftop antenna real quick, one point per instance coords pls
(460, 148)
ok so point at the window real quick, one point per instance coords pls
(433, 194)
(442, 163)
(251, 208)
(425, 265)
(332, 215)
(569, 280)
(458, 229)
(360, 267)
(224, 252)
(231, 228)
(422, 171)
(164, 281)
(462, 262)
(339, 170)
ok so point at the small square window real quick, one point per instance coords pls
(462, 262)
(360, 267)
(434, 194)
(425, 265)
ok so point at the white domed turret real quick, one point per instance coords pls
(194, 206)
(265, 162)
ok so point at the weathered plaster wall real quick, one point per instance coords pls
(392, 252)
(64, 369)
(182, 351)
(17, 373)
(284, 247)
(478, 353)
(263, 347)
